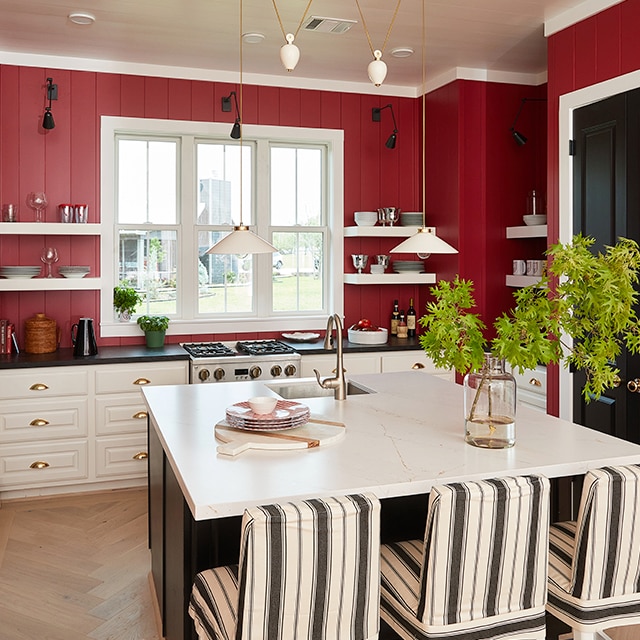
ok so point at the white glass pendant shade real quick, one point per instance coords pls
(377, 69)
(289, 54)
(424, 241)
(240, 241)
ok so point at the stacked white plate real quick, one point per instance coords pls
(20, 271)
(411, 219)
(408, 266)
(286, 415)
(73, 272)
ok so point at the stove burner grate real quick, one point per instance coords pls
(263, 347)
(208, 349)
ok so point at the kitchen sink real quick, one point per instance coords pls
(311, 389)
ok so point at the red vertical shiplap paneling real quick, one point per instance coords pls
(156, 98)
(585, 58)
(108, 97)
(629, 46)
(268, 105)
(289, 105)
(608, 43)
(310, 109)
(9, 136)
(202, 102)
(132, 96)
(217, 114)
(179, 99)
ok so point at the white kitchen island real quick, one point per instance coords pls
(400, 440)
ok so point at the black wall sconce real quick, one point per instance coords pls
(226, 107)
(375, 116)
(52, 94)
(517, 136)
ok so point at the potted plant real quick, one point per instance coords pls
(581, 314)
(154, 328)
(125, 301)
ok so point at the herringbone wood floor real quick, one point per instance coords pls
(76, 568)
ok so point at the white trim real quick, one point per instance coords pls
(333, 138)
(576, 14)
(568, 103)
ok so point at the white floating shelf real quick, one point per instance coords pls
(50, 228)
(522, 281)
(382, 232)
(50, 284)
(524, 231)
(390, 278)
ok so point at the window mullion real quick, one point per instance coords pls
(188, 246)
(262, 266)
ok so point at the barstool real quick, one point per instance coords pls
(481, 570)
(308, 570)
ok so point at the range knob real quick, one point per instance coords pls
(276, 370)
(204, 374)
(255, 372)
(218, 374)
(290, 370)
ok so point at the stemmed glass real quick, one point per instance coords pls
(49, 255)
(37, 201)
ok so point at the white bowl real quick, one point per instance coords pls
(368, 337)
(263, 404)
(535, 219)
(377, 269)
(365, 218)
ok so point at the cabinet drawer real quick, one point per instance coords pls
(354, 363)
(41, 383)
(119, 378)
(532, 381)
(38, 464)
(122, 456)
(43, 419)
(121, 413)
(413, 360)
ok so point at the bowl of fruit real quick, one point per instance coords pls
(365, 332)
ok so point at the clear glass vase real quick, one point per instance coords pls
(490, 406)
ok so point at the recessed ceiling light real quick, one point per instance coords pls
(402, 52)
(82, 17)
(253, 38)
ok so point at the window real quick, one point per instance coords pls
(170, 190)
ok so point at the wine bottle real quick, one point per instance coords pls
(402, 326)
(395, 318)
(411, 319)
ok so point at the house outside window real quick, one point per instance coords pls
(170, 190)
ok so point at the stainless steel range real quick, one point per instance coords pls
(244, 360)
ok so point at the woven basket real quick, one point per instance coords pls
(40, 334)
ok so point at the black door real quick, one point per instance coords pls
(606, 188)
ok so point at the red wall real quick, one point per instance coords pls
(597, 49)
(64, 162)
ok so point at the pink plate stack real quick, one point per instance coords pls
(286, 415)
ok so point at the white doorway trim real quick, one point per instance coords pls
(568, 103)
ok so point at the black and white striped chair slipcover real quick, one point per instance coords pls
(594, 562)
(308, 570)
(481, 571)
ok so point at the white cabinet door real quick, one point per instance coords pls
(354, 363)
(412, 360)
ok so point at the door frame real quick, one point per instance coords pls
(568, 103)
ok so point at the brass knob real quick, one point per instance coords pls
(141, 455)
(38, 464)
(218, 374)
(417, 365)
(204, 374)
(140, 415)
(38, 386)
(255, 372)
(141, 381)
(616, 381)
(276, 370)
(634, 385)
(290, 370)
(38, 422)
(535, 382)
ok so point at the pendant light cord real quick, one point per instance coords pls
(240, 103)
(366, 30)
(304, 15)
(424, 118)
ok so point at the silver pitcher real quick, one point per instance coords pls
(388, 215)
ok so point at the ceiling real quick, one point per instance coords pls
(492, 36)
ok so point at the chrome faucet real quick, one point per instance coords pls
(339, 383)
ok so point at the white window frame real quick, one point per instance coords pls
(332, 138)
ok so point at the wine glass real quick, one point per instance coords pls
(49, 255)
(37, 201)
(359, 261)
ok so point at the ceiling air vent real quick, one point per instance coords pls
(328, 25)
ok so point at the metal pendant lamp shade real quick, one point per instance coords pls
(289, 54)
(240, 241)
(48, 121)
(377, 69)
(424, 241)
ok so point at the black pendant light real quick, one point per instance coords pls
(52, 94)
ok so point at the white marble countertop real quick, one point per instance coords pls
(401, 440)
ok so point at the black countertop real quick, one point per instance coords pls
(140, 353)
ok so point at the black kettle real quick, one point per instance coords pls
(84, 338)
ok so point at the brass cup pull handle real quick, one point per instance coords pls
(140, 415)
(417, 365)
(141, 381)
(38, 386)
(141, 455)
(534, 382)
(38, 422)
(39, 464)
(634, 385)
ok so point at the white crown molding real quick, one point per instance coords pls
(484, 75)
(576, 14)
